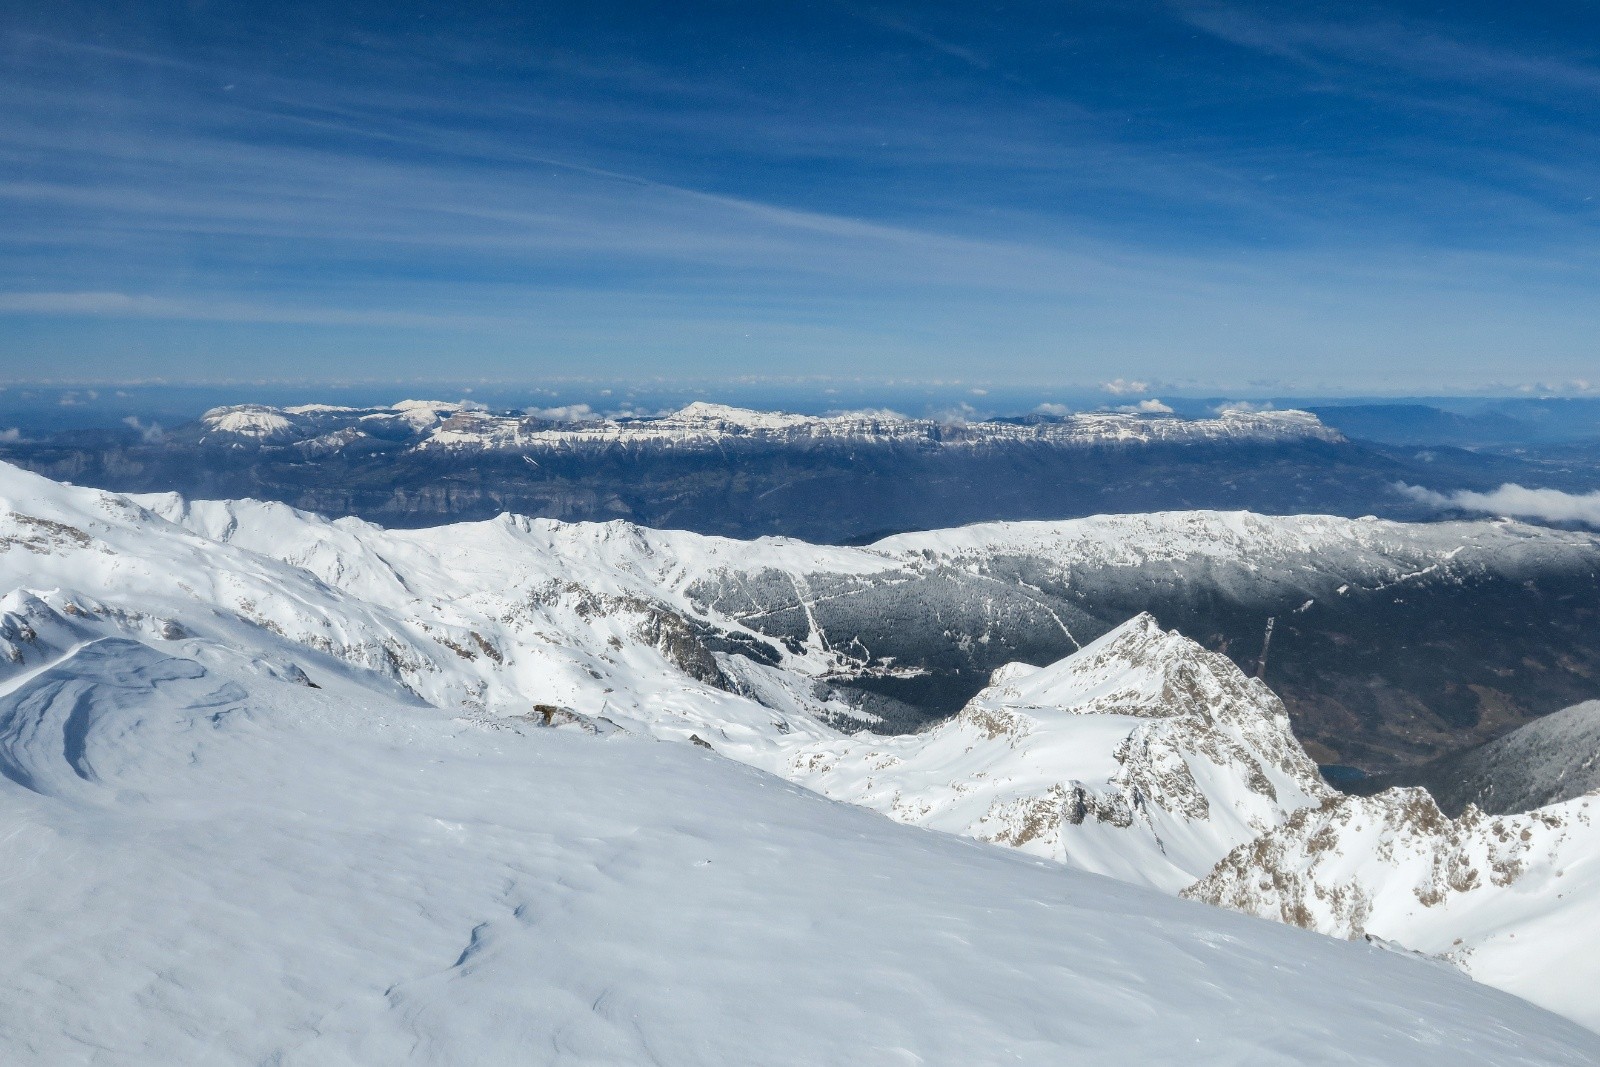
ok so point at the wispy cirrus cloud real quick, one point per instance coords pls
(1419, 48)
(563, 194)
(922, 36)
(139, 306)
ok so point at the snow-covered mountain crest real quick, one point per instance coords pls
(429, 425)
(1142, 756)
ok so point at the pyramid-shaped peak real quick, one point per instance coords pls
(1136, 668)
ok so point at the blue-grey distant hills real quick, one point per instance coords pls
(722, 470)
(1391, 644)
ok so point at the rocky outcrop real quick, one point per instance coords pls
(1143, 756)
(1358, 865)
(1510, 898)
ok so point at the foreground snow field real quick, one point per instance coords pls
(208, 861)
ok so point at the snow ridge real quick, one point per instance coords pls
(1510, 898)
(434, 425)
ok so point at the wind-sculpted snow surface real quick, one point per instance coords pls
(1513, 899)
(210, 864)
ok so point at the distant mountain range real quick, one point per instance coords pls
(1506, 614)
(1504, 422)
(716, 469)
(433, 425)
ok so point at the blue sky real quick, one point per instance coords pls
(1343, 196)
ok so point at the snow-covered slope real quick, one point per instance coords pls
(1514, 899)
(206, 863)
(1143, 756)
(441, 425)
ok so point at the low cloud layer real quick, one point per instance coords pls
(150, 433)
(1549, 505)
(564, 413)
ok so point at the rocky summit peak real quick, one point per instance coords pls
(1142, 756)
(1141, 670)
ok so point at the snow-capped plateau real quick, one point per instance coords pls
(850, 477)
(453, 426)
(1141, 755)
